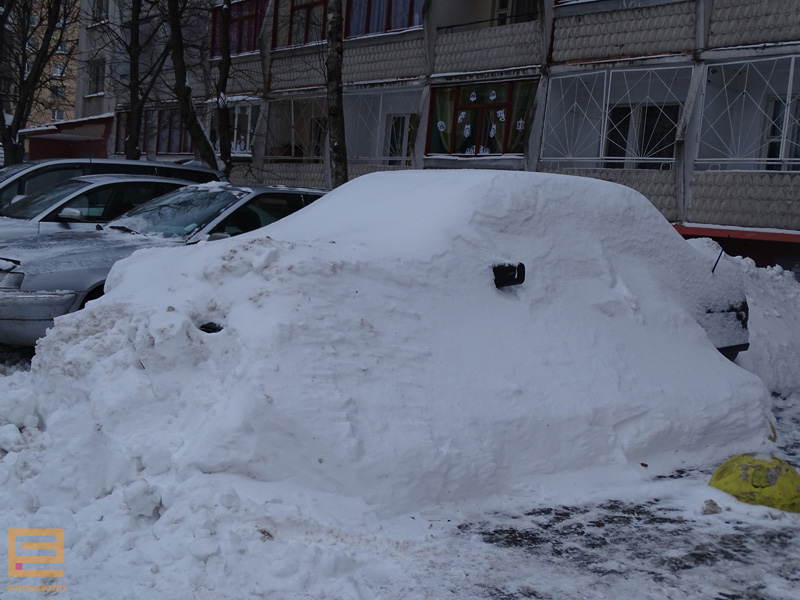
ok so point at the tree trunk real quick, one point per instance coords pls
(183, 91)
(223, 109)
(333, 83)
(134, 124)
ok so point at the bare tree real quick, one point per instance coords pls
(137, 42)
(333, 84)
(223, 74)
(177, 15)
(34, 33)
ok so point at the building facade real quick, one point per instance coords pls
(695, 103)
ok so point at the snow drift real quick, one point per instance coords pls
(365, 352)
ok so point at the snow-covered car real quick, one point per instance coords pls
(42, 277)
(81, 203)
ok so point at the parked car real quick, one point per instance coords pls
(42, 277)
(81, 203)
(17, 181)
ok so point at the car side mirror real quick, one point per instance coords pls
(220, 235)
(70, 214)
(506, 275)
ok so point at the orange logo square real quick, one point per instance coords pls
(17, 561)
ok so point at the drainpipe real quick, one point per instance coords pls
(688, 127)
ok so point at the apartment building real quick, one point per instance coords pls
(26, 37)
(693, 103)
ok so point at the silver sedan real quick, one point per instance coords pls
(43, 277)
(81, 203)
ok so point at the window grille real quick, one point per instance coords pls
(746, 124)
(172, 137)
(378, 127)
(615, 119)
(243, 121)
(96, 77)
(122, 131)
(293, 130)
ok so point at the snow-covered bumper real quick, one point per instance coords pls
(25, 316)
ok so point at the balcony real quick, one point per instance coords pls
(486, 46)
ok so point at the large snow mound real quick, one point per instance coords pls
(365, 352)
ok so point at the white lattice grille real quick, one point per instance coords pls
(751, 118)
(296, 130)
(574, 121)
(378, 127)
(615, 119)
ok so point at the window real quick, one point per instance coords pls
(96, 80)
(59, 92)
(746, 124)
(244, 118)
(57, 114)
(296, 130)
(62, 48)
(172, 137)
(636, 136)
(59, 69)
(99, 10)
(122, 131)
(783, 151)
(395, 144)
(378, 16)
(298, 22)
(380, 125)
(247, 18)
(514, 11)
(307, 21)
(624, 118)
(481, 119)
(259, 212)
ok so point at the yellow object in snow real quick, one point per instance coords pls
(768, 481)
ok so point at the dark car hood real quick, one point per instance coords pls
(70, 251)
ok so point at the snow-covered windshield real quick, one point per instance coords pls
(10, 171)
(33, 205)
(180, 213)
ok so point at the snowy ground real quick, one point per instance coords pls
(367, 463)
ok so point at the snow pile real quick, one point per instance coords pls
(774, 297)
(366, 367)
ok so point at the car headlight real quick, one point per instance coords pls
(10, 281)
